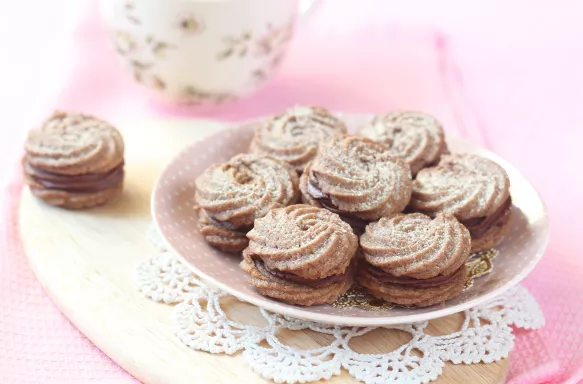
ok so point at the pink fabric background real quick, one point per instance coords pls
(507, 74)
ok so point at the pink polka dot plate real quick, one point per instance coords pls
(172, 210)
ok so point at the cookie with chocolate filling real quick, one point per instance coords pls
(414, 260)
(415, 136)
(230, 196)
(295, 135)
(474, 189)
(357, 178)
(74, 161)
(226, 239)
(301, 255)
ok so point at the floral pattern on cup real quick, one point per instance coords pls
(232, 56)
(142, 75)
(129, 8)
(195, 96)
(150, 80)
(141, 55)
(272, 45)
(272, 41)
(237, 46)
(158, 48)
(190, 24)
(261, 74)
(124, 42)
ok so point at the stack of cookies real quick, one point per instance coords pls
(74, 161)
(389, 207)
(230, 196)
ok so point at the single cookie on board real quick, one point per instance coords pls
(357, 178)
(414, 260)
(474, 189)
(415, 136)
(231, 195)
(74, 161)
(301, 255)
(295, 135)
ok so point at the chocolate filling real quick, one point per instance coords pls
(386, 277)
(227, 225)
(313, 283)
(479, 226)
(355, 222)
(433, 163)
(87, 183)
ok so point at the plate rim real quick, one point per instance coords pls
(274, 306)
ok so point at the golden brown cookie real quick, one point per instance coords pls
(74, 160)
(474, 189)
(414, 260)
(357, 178)
(300, 254)
(295, 135)
(231, 195)
(415, 136)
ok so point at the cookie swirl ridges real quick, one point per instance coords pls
(294, 136)
(360, 177)
(415, 245)
(74, 144)
(307, 241)
(465, 185)
(244, 188)
(416, 136)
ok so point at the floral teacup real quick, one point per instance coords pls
(201, 51)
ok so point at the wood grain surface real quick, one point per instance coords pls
(85, 261)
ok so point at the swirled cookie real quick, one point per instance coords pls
(357, 178)
(231, 195)
(415, 136)
(416, 246)
(294, 136)
(474, 189)
(301, 255)
(74, 160)
(413, 259)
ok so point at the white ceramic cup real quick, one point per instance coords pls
(201, 51)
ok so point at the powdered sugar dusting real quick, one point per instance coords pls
(74, 144)
(294, 136)
(361, 177)
(245, 188)
(465, 185)
(415, 136)
(311, 242)
(414, 245)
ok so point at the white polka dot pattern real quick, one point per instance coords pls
(173, 200)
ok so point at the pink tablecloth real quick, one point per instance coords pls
(506, 74)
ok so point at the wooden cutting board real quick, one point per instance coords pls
(85, 261)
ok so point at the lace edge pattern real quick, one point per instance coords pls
(201, 323)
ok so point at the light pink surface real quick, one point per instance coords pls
(506, 74)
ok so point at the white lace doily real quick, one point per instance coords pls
(202, 324)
